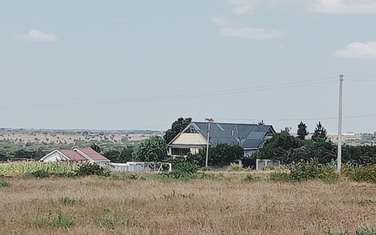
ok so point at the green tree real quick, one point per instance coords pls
(38, 154)
(152, 150)
(225, 154)
(279, 147)
(302, 131)
(123, 156)
(127, 154)
(219, 155)
(320, 133)
(3, 156)
(176, 127)
(96, 148)
(319, 151)
(113, 155)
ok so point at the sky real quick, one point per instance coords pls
(124, 64)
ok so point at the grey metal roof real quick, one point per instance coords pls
(249, 136)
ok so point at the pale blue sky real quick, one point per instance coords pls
(141, 64)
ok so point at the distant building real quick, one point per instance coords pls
(84, 155)
(193, 138)
(347, 138)
(352, 139)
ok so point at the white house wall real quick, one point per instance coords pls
(190, 139)
(55, 157)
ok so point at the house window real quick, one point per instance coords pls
(180, 151)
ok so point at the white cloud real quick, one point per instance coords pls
(358, 50)
(240, 31)
(241, 7)
(345, 6)
(38, 36)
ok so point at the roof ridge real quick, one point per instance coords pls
(232, 123)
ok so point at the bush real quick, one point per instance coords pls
(91, 169)
(361, 173)
(42, 173)
(183, 170)
(304, 171)
(312, 170)
(61, 221)
(3, 184)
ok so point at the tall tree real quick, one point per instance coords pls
(152, 150)
(320, 133)
(176, 127)
(302, 131)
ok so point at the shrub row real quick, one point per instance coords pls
(42, 170)
(303, 171)
(361, 173)
(313, 170)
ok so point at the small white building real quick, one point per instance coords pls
(84, 155)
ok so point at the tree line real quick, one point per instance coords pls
(282, 146)
(290, 149)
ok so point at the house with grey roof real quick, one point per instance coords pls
(194, 137)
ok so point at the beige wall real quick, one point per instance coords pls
(190, 139)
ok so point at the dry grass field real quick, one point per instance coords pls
(96, 205)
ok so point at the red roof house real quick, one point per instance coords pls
(84, 155)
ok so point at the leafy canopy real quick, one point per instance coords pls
(152, 150)
(176, 127)
(219, 155)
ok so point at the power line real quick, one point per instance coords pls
(191, 95)
(347, 117)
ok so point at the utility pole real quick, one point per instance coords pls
(210, 120)
(340, 118)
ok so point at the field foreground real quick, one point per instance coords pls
(106, 206)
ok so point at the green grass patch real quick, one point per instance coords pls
(110, 220)
(56, 221)
(3, 184)
(363, 230)
(62, 221)
(67, 201)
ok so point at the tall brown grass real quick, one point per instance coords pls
(106, 206)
